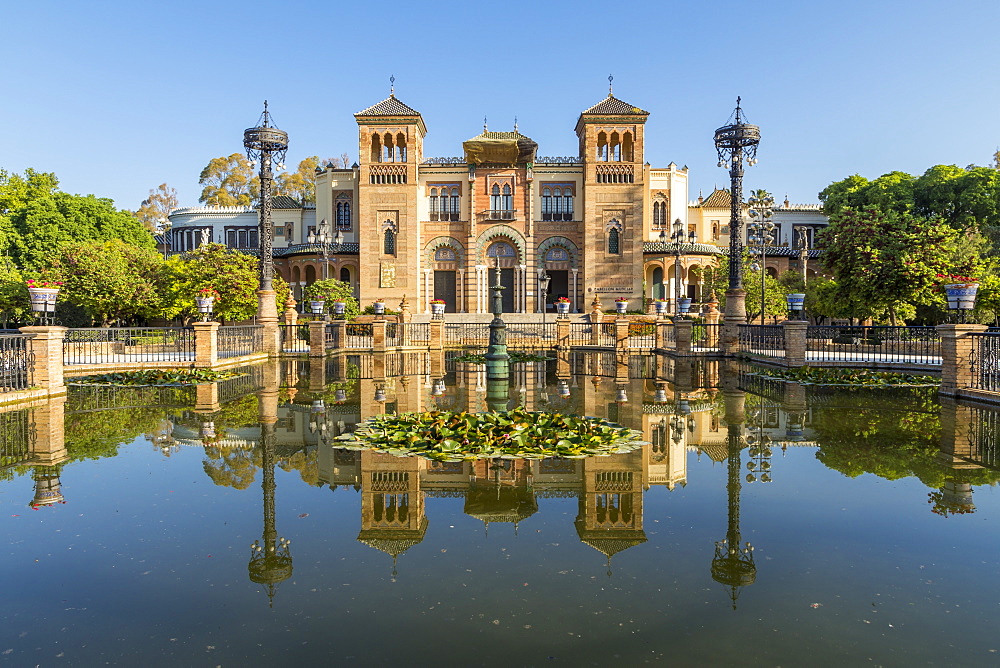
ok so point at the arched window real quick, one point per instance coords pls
(389, 242)
(495, 197)
(602, 146)
(376, 148)
(616, 148)
(556, 254)
(546, 204)
(614, 241)
(434, 204)
(444, 254)
(345, 274)
(659, 215)
(501, 249)
(343, 213)
(507, 200)
(455, 201)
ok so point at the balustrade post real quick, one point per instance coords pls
(291, 316)
(378, 335)
(683, 330)
(621, 333)
(956, 349)
(595, 328)
(659, 334)
(562, 333)
(795, 342)
(206, 344)
(736, 315)
(712, 332)
(46, 345)
(317, 338)
(437, 335)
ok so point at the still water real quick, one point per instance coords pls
(221, 526)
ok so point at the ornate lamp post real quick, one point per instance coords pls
(326, 244)
(497, 367)
(678, 239)
(543, 289)
(802, 241)
(270, 557)
(267, 145)
(734, 142)
(760, 236)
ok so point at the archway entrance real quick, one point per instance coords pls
(445, 288)
(658, 291)
(559, 285)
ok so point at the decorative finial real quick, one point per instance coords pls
(484, 125)
(515, 124)
(610, 89)
(266, 115)
(392, 85)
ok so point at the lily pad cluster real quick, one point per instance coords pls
(157, 377)
(515, 357)
(452, 437)
(850, 377)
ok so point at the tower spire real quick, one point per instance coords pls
(392, 85)
(610, 87)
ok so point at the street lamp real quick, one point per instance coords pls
(761, 229)
(326, 244)
(678, 238)
(268, 145)
(543, 288)
(733, 142)
(802, 241)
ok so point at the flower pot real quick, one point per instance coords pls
(43, 300)
(437, 309)
(661, 307)
(961, 296)
(562, 307)
(204, 304)
(796, 302)
(684, 304)
(339, 308)
(316, 306)
(621, 307)
(379, 308)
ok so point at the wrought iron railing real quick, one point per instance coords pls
(17, 437)
(984, 361)
(914, 345)
(641, 335)
(240, 340)
(103, 345)
(764, 340)
(466, 334)
(248, 382)
(294, 338)
(705, 337)
(17, 363)
(416, 334)
(359, 335)
(607, 334)
(531, 335)
(580, 333)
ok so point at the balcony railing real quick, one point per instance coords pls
(496, 214)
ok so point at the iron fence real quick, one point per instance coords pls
(17, 436)
(330, 336)
(249, 381)
(705, 337)
(914, 345)
(531, 335)
(393, 334)
(984, 361)
(984, 438)
(294, 338)
(642, 334)
(103, 345)
(466, 334)
(580, 333)
(416, 334)
(607, 334)
(359, 335)
(17, 363)
(764, 340)
(669, 334)
(240, 340)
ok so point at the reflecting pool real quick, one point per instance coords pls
(764, 523)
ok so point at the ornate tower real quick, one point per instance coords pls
(391, 139)
(612, 140)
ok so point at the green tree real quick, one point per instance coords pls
(233, 274)
(331, 290)
(300, 184)
(228, 181)
(884, 260)
(844, 194)
(156, 207)
(114, 281)
(14, 304)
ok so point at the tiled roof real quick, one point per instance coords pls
(500, 135)
(612, 105)
(284, 202)
(390, 106)
(719, 199)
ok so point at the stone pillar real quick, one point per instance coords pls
(621, 333)
(339, 337)
(267, 317)
(712, 333)
(595, 327)
(317, 374)
(317, 338)
(404, 310)
(206, 397)
(562, 333)
(378, 335)
(660, 334)
(206, 344)
(736, 315)
(437, 335)
(682, 334)
(291, 316)
(956, 346)
(49, 445)
(437, 363)
(47, 347)
(795, 342)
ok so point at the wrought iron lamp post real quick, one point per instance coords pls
(734, 142)
(802, 241)
(326, 244)
(760, 231)
(267, 145)
(543, 288)
(678, 239)
(497, 359)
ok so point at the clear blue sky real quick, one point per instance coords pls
(117, 97)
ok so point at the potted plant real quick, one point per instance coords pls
(684, 305)
(960, 291)
(661, 306)
(437, 306)
(204, 299)
(43, 294)
(317, 306)
(339, 307)
(562, 305)
(379, 306)
(621, 305)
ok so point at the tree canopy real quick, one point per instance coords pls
(228, 181)
(300, 184)
(156, 207)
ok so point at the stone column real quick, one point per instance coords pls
(47, 347)
(206, 344)
(317, 338)
(682, 333)
(621, 333)
(956, 347)
(562, 333)
(291, 316)
(712, 333)
(267, 317)
(658, 337)
(795, 342)
(378, 335)
(595, 327)
(437, 335)
(736, 315)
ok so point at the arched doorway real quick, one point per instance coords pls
(659, 292)
(504, 254)
(446, 277)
